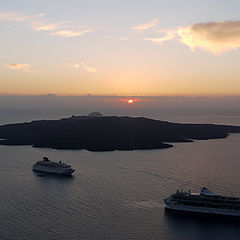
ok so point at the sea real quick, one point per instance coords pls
(119, 194)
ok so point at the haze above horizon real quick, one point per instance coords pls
(120, 48)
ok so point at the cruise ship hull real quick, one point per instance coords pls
(201, 210)
(43, 169)
(206, 202)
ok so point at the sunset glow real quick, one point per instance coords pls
(157, 54)
(114, 88)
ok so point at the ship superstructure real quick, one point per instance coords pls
(49, 166)
(205, 202)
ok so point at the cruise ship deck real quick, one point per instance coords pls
(205, 202)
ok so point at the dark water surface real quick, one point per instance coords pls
(116, 195)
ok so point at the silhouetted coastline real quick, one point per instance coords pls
(108, 133)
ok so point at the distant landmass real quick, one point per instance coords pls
(95, 114)
(108, 133)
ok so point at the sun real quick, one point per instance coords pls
(130, 101)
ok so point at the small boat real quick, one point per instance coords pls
(48, 166)
(205, 202)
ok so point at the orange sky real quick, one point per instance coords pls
(117, 50)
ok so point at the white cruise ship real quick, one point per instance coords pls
(205, 202)
(49, 166)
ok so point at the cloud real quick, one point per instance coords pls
(71, 33)
(44, 26)
(18, 17)
(215, 37)
(23, 67)
(146, 26)
(81, 65)
(62, 29)
(123, 39)
(168, 35)
(85, 67)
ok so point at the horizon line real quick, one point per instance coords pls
(124, 96)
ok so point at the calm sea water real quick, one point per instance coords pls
(116, 195)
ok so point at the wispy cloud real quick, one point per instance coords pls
(18, 17)
(81, 66)
(71, 33)
(18, 66)
(45, 26)
(146, 26)
(168, 35)
(62, 29)
(215, 37)
(123, 39)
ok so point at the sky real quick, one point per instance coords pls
(120, 48)
(219, 110)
